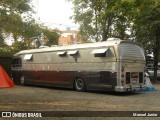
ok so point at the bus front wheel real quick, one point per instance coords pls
(79, 85)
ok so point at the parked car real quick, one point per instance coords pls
(150, 69)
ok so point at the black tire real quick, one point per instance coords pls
(79, 85)
(22, 80)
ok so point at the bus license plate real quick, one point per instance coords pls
(134, 81)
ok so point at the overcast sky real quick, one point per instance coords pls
(54, 13)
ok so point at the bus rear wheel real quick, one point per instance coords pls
(79, 85)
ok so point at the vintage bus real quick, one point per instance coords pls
(112, 65)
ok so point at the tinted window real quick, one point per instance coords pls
(17, 62)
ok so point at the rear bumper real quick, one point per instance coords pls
(130, 88)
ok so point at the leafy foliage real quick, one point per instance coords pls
(51, 37)
(147, 27)
(16, 21)
(20, 45)
(100, 19)
(11, 16)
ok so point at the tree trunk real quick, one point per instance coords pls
(104, 35)
(15, 37)
(96, 24)
(1, 39)
(108, 23)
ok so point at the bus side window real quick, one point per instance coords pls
(17, 62)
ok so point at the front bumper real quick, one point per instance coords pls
(130, 88)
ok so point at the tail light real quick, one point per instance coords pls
(122, 81)
(122, 69)
(122, 75)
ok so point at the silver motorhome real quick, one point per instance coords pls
(114, 65)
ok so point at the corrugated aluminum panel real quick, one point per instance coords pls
(131, 51)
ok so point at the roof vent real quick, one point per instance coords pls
(111, 39)
(43, 46)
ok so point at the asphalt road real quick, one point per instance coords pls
(37, 98)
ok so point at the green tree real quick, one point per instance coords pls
(30, 30)
(51, 37)
(21, 45)
(16, 21)
(100, 19)
(11, 20)
(10, 13)
(146, 27)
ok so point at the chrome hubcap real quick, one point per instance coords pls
(79, 84)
